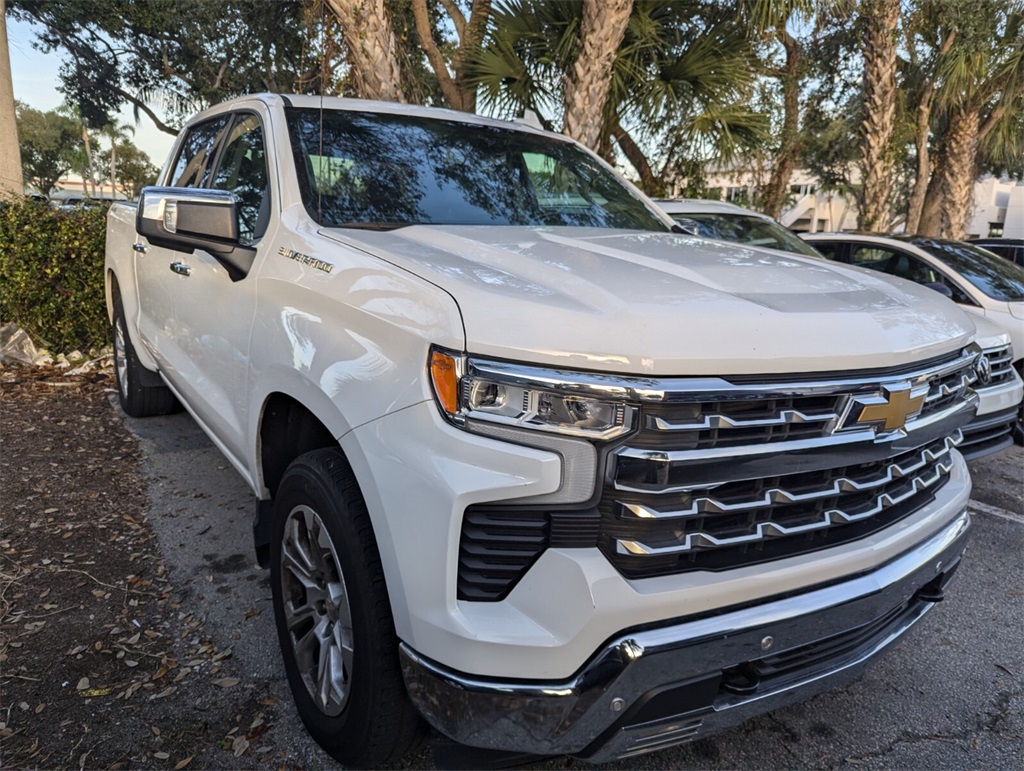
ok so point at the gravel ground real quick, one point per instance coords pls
(129, 541)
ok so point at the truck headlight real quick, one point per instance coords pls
(524, 396)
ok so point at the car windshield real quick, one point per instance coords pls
(744, 229)
(998, 278)
(384, 171)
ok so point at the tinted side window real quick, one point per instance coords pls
(192, 169)
(242, 169)
(874, 257)
(828, 248)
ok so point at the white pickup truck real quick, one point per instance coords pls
(530, 467)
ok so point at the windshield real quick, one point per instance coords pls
(744, 229)
(379, 170)
(998, 278)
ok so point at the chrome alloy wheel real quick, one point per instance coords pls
(316, 609)
(120, 357)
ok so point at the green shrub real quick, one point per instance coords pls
(51, 274)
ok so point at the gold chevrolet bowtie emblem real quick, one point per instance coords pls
(894, 409)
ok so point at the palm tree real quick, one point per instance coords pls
(770, 21)
(879, 19)
(11, 180)
(679, 82)
(586, 88)
(979, 100)
(458, 90)
(372, 49)
(927, 41)
(115, 132)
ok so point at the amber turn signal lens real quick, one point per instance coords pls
(446, 381)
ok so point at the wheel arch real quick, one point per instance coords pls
(294, 418)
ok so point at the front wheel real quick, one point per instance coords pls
(334, 618)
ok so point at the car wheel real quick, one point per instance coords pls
(137, 400)
(334, 618)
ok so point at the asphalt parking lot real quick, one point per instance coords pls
(948, 695)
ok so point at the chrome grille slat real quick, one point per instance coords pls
(709, 505)
(765, 530)
(1001, 361)
(717, 420)
(944, 389)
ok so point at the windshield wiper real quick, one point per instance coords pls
(374, 225)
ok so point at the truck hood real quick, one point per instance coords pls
(663, 304)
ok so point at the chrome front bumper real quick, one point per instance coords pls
(654, 688)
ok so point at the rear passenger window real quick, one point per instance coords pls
(192, 169)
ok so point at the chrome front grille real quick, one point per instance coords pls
(755, 472)
(1001, 361)
(752, 511)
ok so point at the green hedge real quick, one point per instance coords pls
(51, 274)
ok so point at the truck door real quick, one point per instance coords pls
(213, 314)
(157, 280)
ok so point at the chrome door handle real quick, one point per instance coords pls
(140, 247)
(181, 268)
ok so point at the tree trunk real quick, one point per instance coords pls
(372, 50)
(471, 41)
(922, 129)
(930, 223)
(915, 206)
(88, 183)
(777, 189)
(586, 88)
(113, 167)
(11, 180)
(880, 18)
(632, 151)
(961, 170)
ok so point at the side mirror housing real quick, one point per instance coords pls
(186, 219)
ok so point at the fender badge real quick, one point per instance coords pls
(305, 259)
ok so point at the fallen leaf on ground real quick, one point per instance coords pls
(182, 763)
(239, 745)
(226, 682)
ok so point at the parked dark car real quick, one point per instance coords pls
(1010, 248)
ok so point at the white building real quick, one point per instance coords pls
(998, 209)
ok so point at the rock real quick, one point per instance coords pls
(61, 362)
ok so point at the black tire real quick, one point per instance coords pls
(137, 400)
(363, 717)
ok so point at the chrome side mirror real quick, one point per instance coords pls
(186, 219)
